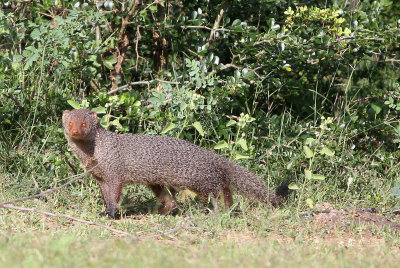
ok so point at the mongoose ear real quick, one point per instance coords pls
(65, 115)
(93, 115)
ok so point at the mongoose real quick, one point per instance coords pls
(164, 164)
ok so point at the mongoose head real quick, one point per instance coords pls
(79, 124)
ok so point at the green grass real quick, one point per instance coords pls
(61, 249)
(255, 237)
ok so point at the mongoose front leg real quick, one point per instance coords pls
(170, 203)
(111, 192)
(165, 198)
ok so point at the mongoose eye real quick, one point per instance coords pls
(70, 124)
(83, 125)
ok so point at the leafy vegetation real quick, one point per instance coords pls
(300, 90)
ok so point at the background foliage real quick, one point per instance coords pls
(306, 90)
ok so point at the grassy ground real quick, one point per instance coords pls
(254, 237)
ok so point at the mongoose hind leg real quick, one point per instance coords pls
(166, 197)
(224, 194)
(111, 192)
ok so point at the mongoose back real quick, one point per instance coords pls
(164, 164)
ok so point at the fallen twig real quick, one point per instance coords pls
(315, 212)
(169, 232)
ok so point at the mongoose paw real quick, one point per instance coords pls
(169, 209)
(111, 214)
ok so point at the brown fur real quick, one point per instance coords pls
(164, 164)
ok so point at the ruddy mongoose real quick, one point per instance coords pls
(164, 164)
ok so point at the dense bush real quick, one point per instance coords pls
(298, 89)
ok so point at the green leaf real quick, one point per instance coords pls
(110, 61)
(308, 174)
(318, 177)
(153, 8)
(231, 123)
(293, 186)
(99, 110)
(221, 145)
(198, 127)
(377, 109)
(93, 58)
(194, 15)
(154, 100)
(289, 166)
(169, 127)
(236, 22)
(309, 141)
(36, 34)
(116, 123)
(183, 106)
(347, 31)
(327, 151)
(250, 119)
(74, 104)
(242, 142)
(310, 203)
(241, 156)
(307, 151)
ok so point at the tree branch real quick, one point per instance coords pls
(226, 66)
(122, 46)
(125, 20)
(184, 27)
(127, 86)
(216, 24)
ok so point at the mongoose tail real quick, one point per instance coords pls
(250, 185)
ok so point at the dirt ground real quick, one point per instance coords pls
(326, 217)
(350, 227)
